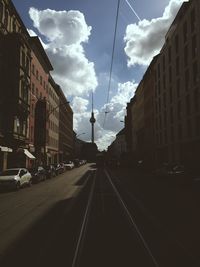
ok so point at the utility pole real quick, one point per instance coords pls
(92, 121)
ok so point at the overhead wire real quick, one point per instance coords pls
(112, 58)
(113, 51)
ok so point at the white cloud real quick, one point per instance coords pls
(145, 38)
(65, 32)
(117, 107)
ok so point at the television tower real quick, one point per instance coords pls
(92, 120)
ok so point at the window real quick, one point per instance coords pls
(33, 88)
(159, 70)
(172, 134)
(185, 32)
(27, 65)
(6, 18)
(177, 66)
(14, 25)
(164, 82)
(189, 128)
(41, 80)
(37, 74)
(195, 72)
(198, 126)
(163, 63)
(187, 79)
(164, 100)
(186, 55)
(170, 74)
(194, 46)
(171, 115)
(23, 59)
(169, 54)
(179, 110)
(33, 69)
(179, 132)
(170, 95)
(188, 107)
(178, 88)
(176, 44)
(193, 19)
(196, 100)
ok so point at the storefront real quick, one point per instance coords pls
(4, 157)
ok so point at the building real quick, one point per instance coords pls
(52, 147)
(177, 90)
(66, 135)
(149, 132)
(15, 56)
(138, 131)
(40, 68)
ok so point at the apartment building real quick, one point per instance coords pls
(177, 90)
(39, 95)
(138, 131)
(66, 136)
(149, 132)
(53, 123)
(15, 56)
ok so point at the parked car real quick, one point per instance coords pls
(76, 162)
(15, 178)
(50, 171)
(38, 174)
(69, 165)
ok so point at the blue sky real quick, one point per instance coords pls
(78, 38)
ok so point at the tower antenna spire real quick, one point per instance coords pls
(92, 120)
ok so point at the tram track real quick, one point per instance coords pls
(115, 232)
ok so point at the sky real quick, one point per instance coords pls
(78, 37)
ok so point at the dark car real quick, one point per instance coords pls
(50, 171)
(76, 162)
(38, 174)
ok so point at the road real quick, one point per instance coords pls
(21, 210)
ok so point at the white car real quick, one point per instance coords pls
(15, 178)
(69, 165)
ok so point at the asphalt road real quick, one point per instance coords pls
(21, 210)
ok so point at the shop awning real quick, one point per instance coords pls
(28, 154)
(5, 149)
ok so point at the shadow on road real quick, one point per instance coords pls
(51, 240)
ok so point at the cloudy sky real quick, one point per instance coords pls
(78, 38)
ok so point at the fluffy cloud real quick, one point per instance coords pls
(145, 39)
(65, 32)
(116, 108)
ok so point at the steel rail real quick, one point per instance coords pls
(144, 243)
(84, 226)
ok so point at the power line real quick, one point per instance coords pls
(111, 65)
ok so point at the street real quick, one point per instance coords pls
(20, 210)
(40, 225)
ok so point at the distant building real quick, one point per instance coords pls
(66, 136)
